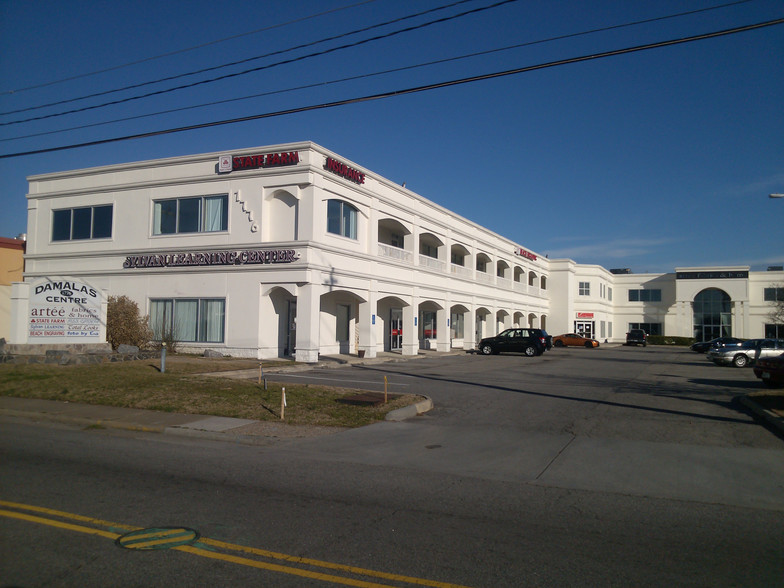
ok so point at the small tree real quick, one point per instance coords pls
(124, 324)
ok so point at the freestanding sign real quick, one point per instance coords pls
(59, 310)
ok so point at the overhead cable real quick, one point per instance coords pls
(407, 91)
(247, 60)
(378, 73)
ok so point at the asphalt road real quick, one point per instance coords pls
(616, 466)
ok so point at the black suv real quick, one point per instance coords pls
(521, 340)
(636, 337)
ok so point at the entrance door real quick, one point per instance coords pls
(396, 328)
(291, 334)
(584, 328)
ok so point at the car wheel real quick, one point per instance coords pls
(530, 351)
(589, 345)
(559, 344)
(487, 349)
(740, 360)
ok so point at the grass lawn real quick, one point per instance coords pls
(185, 389)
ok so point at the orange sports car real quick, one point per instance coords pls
(574, 340)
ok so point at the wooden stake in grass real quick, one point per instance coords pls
(282, 402)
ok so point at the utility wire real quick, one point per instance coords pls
(185, 50)
(378, 73)
(406, 91)
(247, 60)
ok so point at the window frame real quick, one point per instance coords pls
(584, 288)
(645, 295)
(92, 229)
(180, 218)
(200, 326)
(349, 229)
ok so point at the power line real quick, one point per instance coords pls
(406, 91)
(383, 72)
(239, 62)
(185, 50)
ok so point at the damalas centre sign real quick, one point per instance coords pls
(58, 310)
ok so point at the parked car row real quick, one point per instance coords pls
(747, 352)
(705, 346)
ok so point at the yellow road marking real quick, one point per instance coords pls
(58, 524)
(327, 564)
(67, 515)
(223, 545)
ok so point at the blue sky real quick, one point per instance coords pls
(650, 160)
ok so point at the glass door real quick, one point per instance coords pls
(395, 328)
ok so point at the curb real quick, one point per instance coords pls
(771, 418)
(410, 411)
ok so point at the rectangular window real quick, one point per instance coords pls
(89, 222)
(774, 294)
(585, 289)
(341, 219)
(649, 328)
(197, 214)
(190, 320)
(458, 259)
(653, 295)
(609, 294)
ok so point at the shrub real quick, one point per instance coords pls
(124, 324)
(667, 340)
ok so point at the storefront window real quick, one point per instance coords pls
(190, 320)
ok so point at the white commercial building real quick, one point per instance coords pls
(294, 250)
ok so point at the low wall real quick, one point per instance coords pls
(68, 354)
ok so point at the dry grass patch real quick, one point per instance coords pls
(181, 389)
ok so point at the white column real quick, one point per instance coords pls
(410, 330)
(20, 313)
(442, 328)
(367, 330)
(308, 318)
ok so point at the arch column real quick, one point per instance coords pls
(442, 328)
(308, 311)
(366, 319)
(410, 338)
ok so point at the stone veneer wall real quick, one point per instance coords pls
(70, 354)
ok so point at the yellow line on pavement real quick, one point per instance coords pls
(223, 545)
(67, 515)
(58, 524)
(279, 568)
(327, 564)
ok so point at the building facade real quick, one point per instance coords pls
(11, 268)
(292, 250)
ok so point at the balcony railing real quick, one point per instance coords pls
(394, 252)
(431, 262)
(459, 270)
(483, 277)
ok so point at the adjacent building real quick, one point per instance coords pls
(293, 250)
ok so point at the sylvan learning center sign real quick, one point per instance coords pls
(200, 258)
(65, 310)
